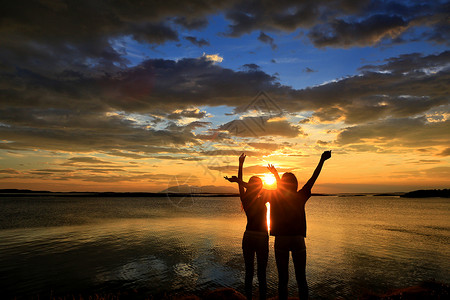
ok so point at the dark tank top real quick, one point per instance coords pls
(287, 213)
(255, 208)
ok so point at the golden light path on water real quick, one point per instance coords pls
(268, 215)
(269, 184)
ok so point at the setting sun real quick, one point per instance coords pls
(269, 180)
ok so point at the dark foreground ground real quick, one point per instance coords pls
(427, 290)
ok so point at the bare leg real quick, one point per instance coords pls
(299, 258)
(262, 256)
(249, 257)
(282, 258)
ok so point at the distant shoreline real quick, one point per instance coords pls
(445, 193)
(30, 193)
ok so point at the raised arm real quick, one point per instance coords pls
(241, 165)
(235, 179)
(325, 155)
(242, 184)
(274, 171)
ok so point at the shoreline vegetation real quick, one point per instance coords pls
(444, 193)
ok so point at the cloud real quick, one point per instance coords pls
(191, 23)
(231, 152)
(9, 171)
(251, 67)
(72, 132)
(87, 110)
(265, 146)
(342, 23)
(88, 160)
(436, 172)
(51, 37)
(445, 152)
(405, 132)
(367, 32)
(154, 33)
(407, 85)
(187, 113)
(262, 126)
(309, 70)
(247, 16)
(257, 169)
(197, 42)
(322, 143)
(267, 40)
(213, 57)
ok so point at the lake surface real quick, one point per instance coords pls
(66, 245)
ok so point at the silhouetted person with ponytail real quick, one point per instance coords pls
(256, 237)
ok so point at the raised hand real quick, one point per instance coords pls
(242, 158)
(231, 179)
(326, 155)
(272, 169)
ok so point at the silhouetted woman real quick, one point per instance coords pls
(256, 238)
(288, 225)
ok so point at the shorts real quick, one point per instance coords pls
(290, 243)
(255, 241)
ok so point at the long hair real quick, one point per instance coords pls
(289, 182)
(253, 188)
(254, 184)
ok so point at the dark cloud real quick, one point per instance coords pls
(403, 86)
(262, 126)
(62, 69)
(367, 32)
(153, 33)
(108, 136)
(191, 23)
(309, 70)
(9, 171)
(54, 36)
(247, 16)
(251, 67)
(88, 160)
(82, 38)
(405, 132)
(197, 42)
(445, 152)
(343, 23)
(267, 40)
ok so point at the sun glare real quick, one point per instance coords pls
(269, 180)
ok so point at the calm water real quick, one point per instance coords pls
(157, 245)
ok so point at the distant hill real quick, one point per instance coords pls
(186, 189)
(445, 193)
(21, 191)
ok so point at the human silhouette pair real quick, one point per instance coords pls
(287, 222)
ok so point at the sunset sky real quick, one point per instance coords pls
(142, 95)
